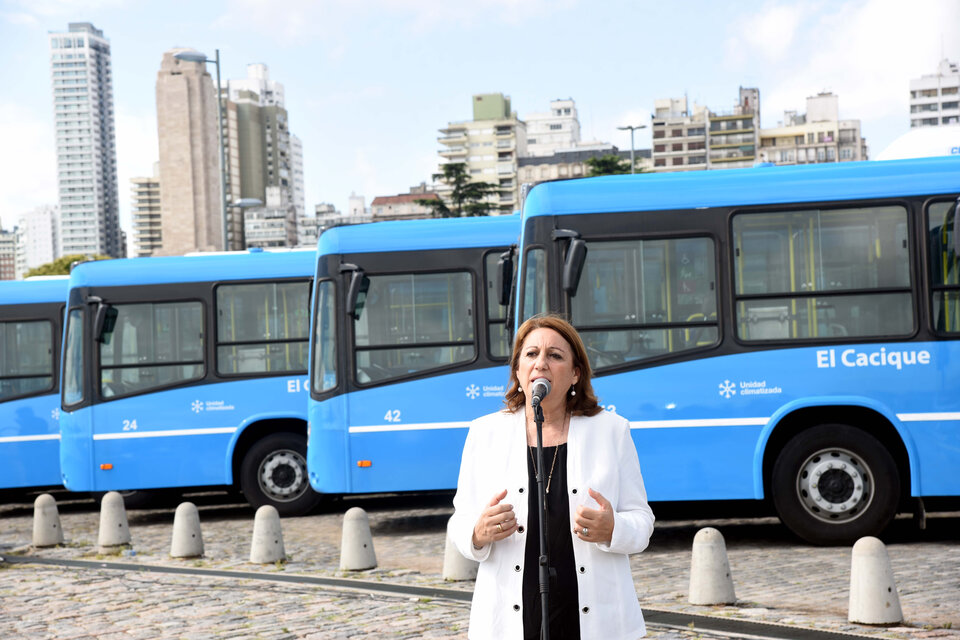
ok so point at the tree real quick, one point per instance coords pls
(61, 266)
(610, 164)
(468, 198)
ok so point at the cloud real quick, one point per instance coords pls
(769, 34)
(858, 50)
(30, 174)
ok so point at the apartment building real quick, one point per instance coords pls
(934, 97)
(553, 130)
(815, 136)
(489, 146)
(679, 135)
(145, 212)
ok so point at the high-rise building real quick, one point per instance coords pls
(147, 214)
(191, 209)
(554, 130)
(298, 195)
(489, 146)
(263, 136)
(815, 136)
(86, 141)
(37, 242)
(934, 97)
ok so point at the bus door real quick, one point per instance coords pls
(150, 430)
(427, 359)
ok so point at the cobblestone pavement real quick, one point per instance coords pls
(777, 579)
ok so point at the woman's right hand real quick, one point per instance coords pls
(496, 522)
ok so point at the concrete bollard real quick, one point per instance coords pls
(873, 592)
(46, 522)
(187, 540)
(114, 531)
(267, 546)
(710, 580)
(455, 566)
(356, 542)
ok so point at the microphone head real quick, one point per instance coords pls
(539, 390)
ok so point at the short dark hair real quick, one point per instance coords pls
(584, 403)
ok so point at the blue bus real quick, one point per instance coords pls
(185, 372)
(789, 334)
(31, 321)
(410, 343)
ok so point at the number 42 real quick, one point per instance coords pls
(393, 415)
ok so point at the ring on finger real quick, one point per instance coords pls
(584, 531)
(499, 528)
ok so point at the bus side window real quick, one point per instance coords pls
(413, 323)
(944, 268)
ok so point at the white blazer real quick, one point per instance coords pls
(600, 456)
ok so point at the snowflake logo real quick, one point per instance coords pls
(473, 392)
(727, 389)
(55, 414)
(197, 406)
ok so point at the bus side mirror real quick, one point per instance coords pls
(359, 283)
(504, 278)
(573, 265)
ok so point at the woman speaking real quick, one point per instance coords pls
(596, 505)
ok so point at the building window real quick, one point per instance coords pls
(676, 133)
(677, 161)
(660, 162)
(659, 148)
(556, 127)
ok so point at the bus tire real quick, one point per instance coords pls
(833, 484)
(274, 472)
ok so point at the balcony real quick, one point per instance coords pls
(453, 152)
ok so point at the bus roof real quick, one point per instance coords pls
(742, 187)
(254, 265)
(421, 235)
(33, 291)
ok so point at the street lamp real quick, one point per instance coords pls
(631, 128)
(196, 56)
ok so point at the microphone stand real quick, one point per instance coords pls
(541, 503)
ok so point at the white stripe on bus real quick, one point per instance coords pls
(377, 428)
(125, 435)
(704, 422)
(50, 436)
(927, 417)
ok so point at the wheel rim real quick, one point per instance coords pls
(282, 475)
(835, 485)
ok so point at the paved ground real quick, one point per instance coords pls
(776, 578)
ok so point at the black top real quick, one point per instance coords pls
(563, 597)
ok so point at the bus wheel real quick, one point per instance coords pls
(833, 484)
(274, 472)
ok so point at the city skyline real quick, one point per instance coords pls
(368, 87)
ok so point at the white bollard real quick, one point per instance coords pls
(455, 566)
(873, 591)
(46, 522)
(267, 545)
(710, 580)
(187, 540)
(356, 542)
(114, 531)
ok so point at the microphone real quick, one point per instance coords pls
(540, 390)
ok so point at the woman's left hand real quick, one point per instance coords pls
(594, 525)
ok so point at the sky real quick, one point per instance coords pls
(368, 83)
